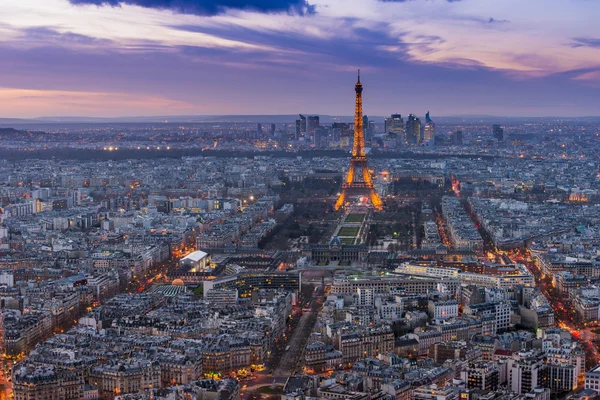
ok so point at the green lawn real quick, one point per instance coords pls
(348, 231)
(354, 218)
(347, 240)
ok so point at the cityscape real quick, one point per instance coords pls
(347, 254)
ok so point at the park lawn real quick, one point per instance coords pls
(348, 231)
(354, 218)
(347, 240)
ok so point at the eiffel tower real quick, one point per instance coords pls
(358, 181)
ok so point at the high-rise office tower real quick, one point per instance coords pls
(321, 135)
(258, 130)
(302, 123)
(457, 138)
(413, 129)
(371, 129)
(498, 132)
(341, 133)
(312, 123)
(272, 130)
(300, 126)
(394, 124)
(429, 130)
(427, 118)
(366, 127)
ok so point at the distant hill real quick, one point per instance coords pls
(42, 122)
(265, 119)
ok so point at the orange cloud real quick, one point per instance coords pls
(27, 103)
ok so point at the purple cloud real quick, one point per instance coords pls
(586, 42)
(210, 7)
(49, 35)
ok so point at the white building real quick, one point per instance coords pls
(7, 278)
(198, 261)
(443, 309)
(592, 379)
(365, 296)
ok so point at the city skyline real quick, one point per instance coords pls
(124, 58)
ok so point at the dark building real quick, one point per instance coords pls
(413, 129)
(163, 206)
(248, 282)
(366, 127)
(300, 126)
(457, 138)
(312, 123)
(321, 135)
(336, 251)
(258, 130)
(428, 118)
(498, 133)
(60, 204)
(272, 130)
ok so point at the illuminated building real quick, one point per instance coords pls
(247, 282)
(364, 342)
(433, 392)
(197, 260)
(429, 130)
(481, 375)
(358, 180)
(130, 376)
(33, 382)
(394, 124)
(341, 133)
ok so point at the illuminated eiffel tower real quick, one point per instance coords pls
(358, 181)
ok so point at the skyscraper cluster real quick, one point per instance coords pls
(413, 132)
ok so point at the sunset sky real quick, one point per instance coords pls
(173, 57)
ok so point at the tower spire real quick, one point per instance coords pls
(358, 180)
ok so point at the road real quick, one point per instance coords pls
(565, 315)
(289, 361)
(292, 356)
